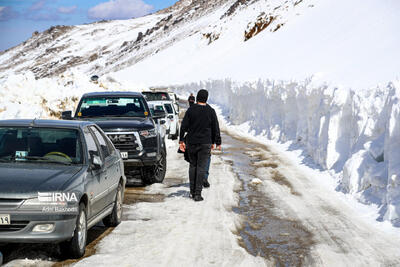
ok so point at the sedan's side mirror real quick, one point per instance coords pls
(170, 117)
(66, 115)
(96, 162)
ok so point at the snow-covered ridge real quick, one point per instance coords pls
(109, 46)
(355, 134)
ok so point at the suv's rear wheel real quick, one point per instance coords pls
(156, 173)
(75, 248)
(115, 217)
(176, 135)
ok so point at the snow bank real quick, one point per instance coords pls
(355, 134)
(22, 96)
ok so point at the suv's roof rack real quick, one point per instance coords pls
(160, 89)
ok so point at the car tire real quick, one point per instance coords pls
(115, 217)
(176, 135)
(156, 173)
(75, 248)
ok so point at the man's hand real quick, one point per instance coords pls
(218, 147)
(182, 146)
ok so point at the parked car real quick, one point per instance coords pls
(57, 180)
(162, 94)
(175, 100)
(156, 95)
(163, 117)
(171, 118)
(126, 119)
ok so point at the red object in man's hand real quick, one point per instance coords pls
(182, 146)
(218, 147)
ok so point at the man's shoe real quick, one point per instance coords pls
(198, 198)
(206, 184)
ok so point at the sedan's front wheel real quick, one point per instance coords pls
(115, 217)
(75, 248)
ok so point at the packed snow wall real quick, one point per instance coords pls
(22, 96)
(356, 134)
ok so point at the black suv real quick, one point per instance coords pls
(133, 128)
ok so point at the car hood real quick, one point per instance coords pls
(125, 124)
(25, 180)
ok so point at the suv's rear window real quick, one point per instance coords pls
(112, 106)
(40, 144)
(169, 109)
(156, 96)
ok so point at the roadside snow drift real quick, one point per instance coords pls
(24, 97)
(356, 134)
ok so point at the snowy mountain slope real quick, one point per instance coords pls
(344, 42)
(104, 45)
(108, 46)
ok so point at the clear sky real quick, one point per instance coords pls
(20, 18)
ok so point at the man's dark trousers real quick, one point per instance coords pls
(198, 155)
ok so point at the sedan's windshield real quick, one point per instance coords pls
(40, 145)
(156, 96)
(112, 107)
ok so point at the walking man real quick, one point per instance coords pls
(202, 128)
(191, 100)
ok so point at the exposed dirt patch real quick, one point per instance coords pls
(281, 179)
(61, 106)
(278, 27)
(265, 164)
(211, 37)
(232, 9)
(137, 194)
(95, 235)
(284, 241)
(51, 252)
(261, 24)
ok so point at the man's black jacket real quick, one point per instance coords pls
(201, 125)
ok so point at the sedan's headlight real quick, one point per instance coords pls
(31, 204)
(39, 204)
(148, 133)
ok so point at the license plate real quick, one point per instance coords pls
(124, 155)
(5, 219)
